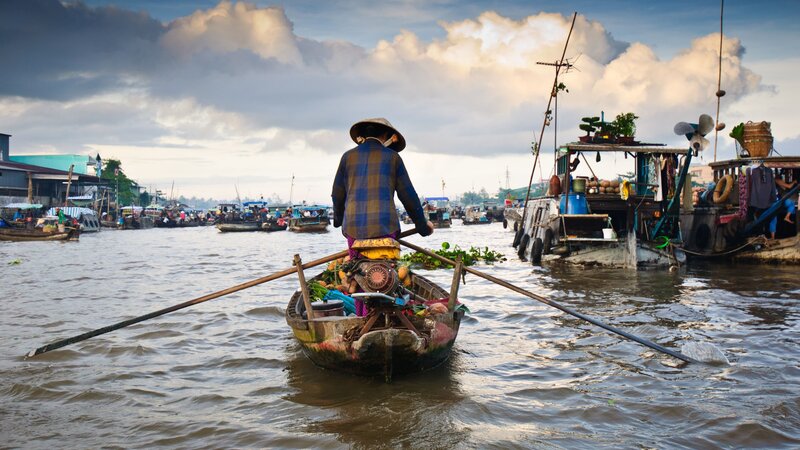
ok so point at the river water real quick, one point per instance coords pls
(227, 373)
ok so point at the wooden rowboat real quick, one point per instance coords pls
(239, 226)
(386, 342)
(23, 234)
(275, 225)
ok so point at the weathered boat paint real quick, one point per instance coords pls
(386, 352)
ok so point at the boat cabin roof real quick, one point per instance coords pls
(22, 206)
(775, 162)
(641, 148)
(255, 203)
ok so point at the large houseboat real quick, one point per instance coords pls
(630, 223)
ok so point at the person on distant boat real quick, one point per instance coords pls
(18, 215)
(366, 181)
(61, 216)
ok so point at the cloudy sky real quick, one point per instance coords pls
(218, 95)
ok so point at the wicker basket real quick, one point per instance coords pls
(757, 139)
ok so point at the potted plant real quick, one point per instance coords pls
(590, 126)
(625, 126)
(606, 133)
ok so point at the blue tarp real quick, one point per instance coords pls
(349, 302)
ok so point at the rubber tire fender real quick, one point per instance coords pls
(516, 226)
(547, 242)
(723, 189)
(505, 224)
(517, 238)
(523, 245)
(536, 251)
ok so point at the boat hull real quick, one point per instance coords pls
(476, 222)
(270, 227)
(21, 234)
(300, 227)
(383, 351)
(780, 251)
(238, 227)
(546, 240)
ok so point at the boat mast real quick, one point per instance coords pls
(291, 191)
(720, 92)
(546, 118)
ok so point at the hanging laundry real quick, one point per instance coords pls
(657, 178)
(762, 187)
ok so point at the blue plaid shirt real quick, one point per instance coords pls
(363, 193)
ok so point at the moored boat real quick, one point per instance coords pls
(390, 339)
(629, 223)
(725, 223)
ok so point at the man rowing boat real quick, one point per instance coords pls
(366, 182)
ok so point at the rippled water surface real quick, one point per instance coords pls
(227, 373)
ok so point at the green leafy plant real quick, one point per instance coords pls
(468, 257)
(316, 291)
(590, 125)
(625, 124)
(738, 133)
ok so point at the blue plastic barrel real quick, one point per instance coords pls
(577, 204)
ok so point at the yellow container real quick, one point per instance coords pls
(383, 248)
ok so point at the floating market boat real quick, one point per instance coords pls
(46, 230)
(87, 218)
(512, 217)
(391, 339)
(275, 224)
(477, 215)
(614, 223)
(238, 226)
(437, 210)
(307, 218)
(134, 218)
(723, 224)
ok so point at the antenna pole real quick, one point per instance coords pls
(720, 92)
(545, 121)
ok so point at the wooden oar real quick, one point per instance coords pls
(556, 305)
(205, 298)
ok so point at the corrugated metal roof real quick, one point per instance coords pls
(57, 162)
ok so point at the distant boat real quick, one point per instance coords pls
(134, 218)
(87, 218)
(437, 210)
(47, 230)
(234, 219)
(477, 215)
(307, 218)
(273, 224)
(238, 226)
